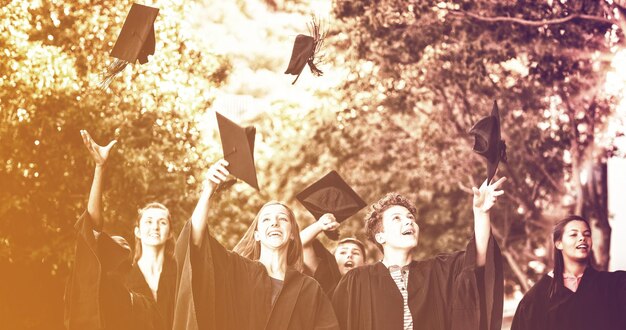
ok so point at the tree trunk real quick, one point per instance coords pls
(596, 211)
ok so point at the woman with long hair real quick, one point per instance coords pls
(574, 295)
(154, 267)
(153, 272)
(258, 285)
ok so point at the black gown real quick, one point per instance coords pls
(166, 292)
(327, 273)
(598, 303)
(96, 296)
(219, 289)
(445, 292)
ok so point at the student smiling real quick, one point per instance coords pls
(574, 296)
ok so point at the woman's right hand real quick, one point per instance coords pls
(327, 222)
(216, 174)
(99, 153)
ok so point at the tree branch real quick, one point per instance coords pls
(521, 277)
(548, 176)
(449, 110)
(521, 21)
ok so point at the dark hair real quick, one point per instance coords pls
(171, 241)
(373, 220)
(559, 263)
(250, 248)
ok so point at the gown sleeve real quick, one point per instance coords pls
(327, 272)
(351, 301)
(96, 296)
(466, 284)
(217, 288)
(621, 297)
(82, 309)
(325, 318)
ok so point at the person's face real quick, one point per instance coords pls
(274, 227)
(348, 255)
(154, 227)
(576, 241)
(400, 231)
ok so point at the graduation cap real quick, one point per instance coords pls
(305, 49)
(135, 42)
(238, 147)
(331, 194)
(488, 142)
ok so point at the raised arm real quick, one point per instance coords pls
(100, 155)
(216, 174)
(484, 199)
(308, 234)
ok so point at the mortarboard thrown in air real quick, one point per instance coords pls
(135, 42)
(331, 194)
(238, 147)
(488, 142)
(306, 50)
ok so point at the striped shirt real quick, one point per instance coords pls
(400, 276)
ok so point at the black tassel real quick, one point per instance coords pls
(318, 33)
(314, 69)
(113, 70)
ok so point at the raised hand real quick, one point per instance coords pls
(216, 174)
(99, 153)
(485, 196)
(327, 222)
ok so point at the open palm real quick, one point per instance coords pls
(99, 153)
(485, 196)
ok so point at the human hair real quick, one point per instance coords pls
(171, 241)
(374, 219)
(559, 263)
(355, 241)
(250, 248)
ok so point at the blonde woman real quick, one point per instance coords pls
(258, 285)
(153, 272)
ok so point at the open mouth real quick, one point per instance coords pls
(155, 235)
(408, 232)
(582, 247)
(348, 264)
(274, 234)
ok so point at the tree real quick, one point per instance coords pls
(53, 54)
(429, 70)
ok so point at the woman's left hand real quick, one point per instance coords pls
(485, 196)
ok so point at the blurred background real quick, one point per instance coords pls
(403, 82)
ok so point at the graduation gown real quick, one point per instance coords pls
(221, 290)
(327, 273)
(96, 296)
(598, 303)
(443, 293)
(166, 291)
